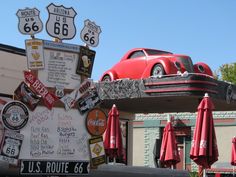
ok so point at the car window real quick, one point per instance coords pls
(156, 52)
(136, 54)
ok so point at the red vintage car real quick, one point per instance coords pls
(142, 63)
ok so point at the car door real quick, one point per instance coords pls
(133, 66)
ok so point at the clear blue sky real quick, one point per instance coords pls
(202, 29)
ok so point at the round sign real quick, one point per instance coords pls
(96, 122)
(14, 115)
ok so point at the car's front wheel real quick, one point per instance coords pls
(106, 78)
(158, 70)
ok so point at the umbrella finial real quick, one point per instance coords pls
(113, 105)
(168, 118)
(206, 95)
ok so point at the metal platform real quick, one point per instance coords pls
(175, 93)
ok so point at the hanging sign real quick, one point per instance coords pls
(90, 33)
(85, 62)
(11, 147)
(60, 23)
(39, 88)
(34, 53)
(29, 21)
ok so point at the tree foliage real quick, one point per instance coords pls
(228, 72)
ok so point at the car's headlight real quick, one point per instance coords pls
(201, 68)
(177, 65)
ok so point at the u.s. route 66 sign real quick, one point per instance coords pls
(29, 21)
(60, 23)
(90, 33)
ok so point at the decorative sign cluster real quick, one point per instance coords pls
(45, 125)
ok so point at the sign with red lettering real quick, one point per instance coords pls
(96, 122)
(39, 88)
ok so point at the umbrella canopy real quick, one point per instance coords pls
(204, 150)
(233, 152)
(169, 155)
(112, 135)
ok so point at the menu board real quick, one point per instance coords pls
(55, 134)
(61, 61)
(60, 69)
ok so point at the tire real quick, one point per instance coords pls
(158, 70)
(106, 78)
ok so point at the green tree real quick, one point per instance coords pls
(228, 72)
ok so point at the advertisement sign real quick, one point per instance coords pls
(96, 122)
(60, 65)
(24, 94)
(60, 23)
(85, 61)
(55, 135)
(97, 151)
(39, 167)
(34, 53)
(29, 21)
(88, 101)
(48, 98)
(11, 147)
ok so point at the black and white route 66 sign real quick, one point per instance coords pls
(90, 33)
(11, 146)
(29, 21)
(60, 23)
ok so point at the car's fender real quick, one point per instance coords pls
(207, 69)
(167, 64)
(110, 73)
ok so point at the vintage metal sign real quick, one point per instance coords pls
(24, 94)
(29, 21)
(90, 33)
(49, 167)
(85, 61)
(96, 122)
(60, 23)
(97, 151)
(39, 88)
(11, 147)
(34, 53)
(14, 115)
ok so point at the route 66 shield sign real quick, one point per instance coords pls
(29, 21)
(90, 33)
(60, 23)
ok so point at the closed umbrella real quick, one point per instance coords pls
(169, 155)
(233, 153)
(112, 135)
(204, 150)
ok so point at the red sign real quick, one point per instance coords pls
(39, 88)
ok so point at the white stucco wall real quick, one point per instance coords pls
(11, 71)
(224, 137)
(138, 146)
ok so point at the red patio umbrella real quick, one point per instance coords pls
(169, 155)
(112, 135)
(233, 152)
(204, 150)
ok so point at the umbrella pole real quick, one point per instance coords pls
(204, 172)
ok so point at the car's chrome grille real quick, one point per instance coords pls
(187, 62)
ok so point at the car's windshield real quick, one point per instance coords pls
(156, 52)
